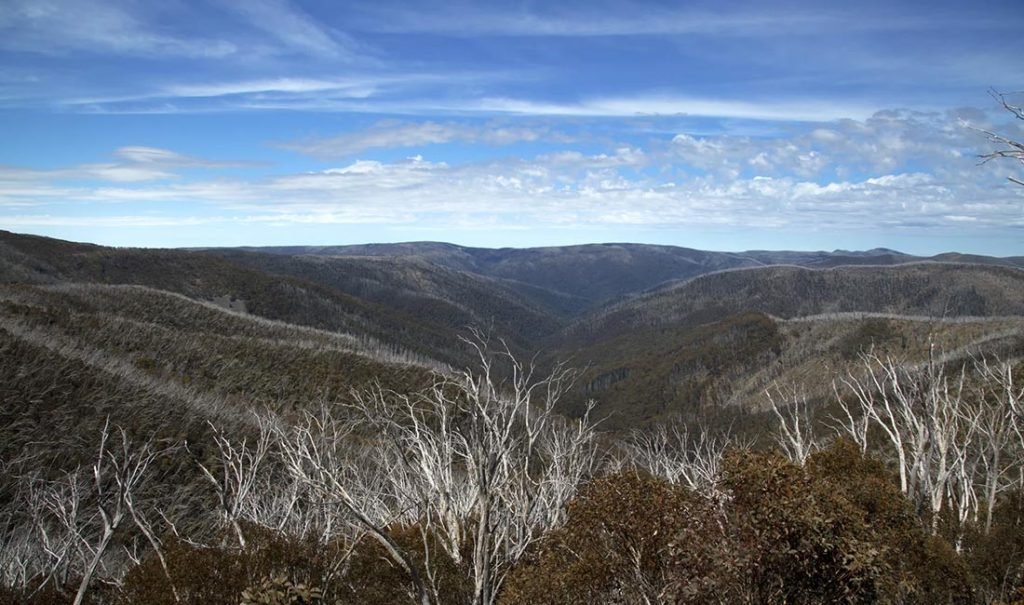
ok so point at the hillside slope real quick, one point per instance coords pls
(209, 277)
(590, 276)
(446, 297)
(713, 340)
(717, 373)
(72, 355)
(938, 290)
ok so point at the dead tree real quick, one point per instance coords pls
(238, 479)
(1010, 148)
(796, 429)
(856, 421)
(118, 474)
(921, 414)
(318, 451)
(480, 460)
(76, 517)
(1000, 422)
(673, 453)
(59, 525)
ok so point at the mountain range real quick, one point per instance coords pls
(657, 331)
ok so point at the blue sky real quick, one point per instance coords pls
(716, 125)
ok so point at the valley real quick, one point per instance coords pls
(205, 354)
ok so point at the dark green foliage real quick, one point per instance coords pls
(920, 568)
(835, 531)
(794, 539)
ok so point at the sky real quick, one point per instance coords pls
(804, 125)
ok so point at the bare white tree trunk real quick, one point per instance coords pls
(318, 452)
(117, 474)
(999, 420)
(480, 460)
(674, 454)
(857, 421)
(796, 431)
(238, 481)
(922, 414)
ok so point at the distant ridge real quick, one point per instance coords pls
(657, 330)
(600, 273)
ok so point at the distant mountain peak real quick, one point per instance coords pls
(871, 252)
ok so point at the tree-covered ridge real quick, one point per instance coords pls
(472, 490)
(649, 355)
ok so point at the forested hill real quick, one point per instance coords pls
(592, 275)
(929, 289)
(661, 330)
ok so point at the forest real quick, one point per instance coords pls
(248, 427)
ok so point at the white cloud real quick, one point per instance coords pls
(601, 19)
(139, 164)
(522, 194)
(887, 142)
(465, 21)
(62, 26)
(45, 220)
(393, 134)
(293, 27)
(151, 155)
(121, 173)
(893, 170)
(359, 92)
(347, 88)
(796, 110)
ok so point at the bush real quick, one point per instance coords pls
(371, 577)
(204, 575)
(835, 531)
(615, 546)
(996, 559)
(281, 591)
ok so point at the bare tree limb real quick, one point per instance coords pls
(1011, 149)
